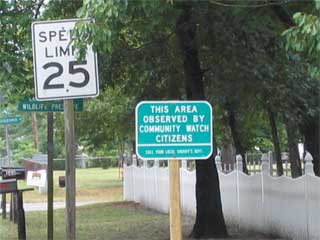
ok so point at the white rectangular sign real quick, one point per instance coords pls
(57, 72)
(37, 178)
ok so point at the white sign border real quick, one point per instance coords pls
(173, 158)
(35, 60)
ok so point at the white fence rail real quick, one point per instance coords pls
(285, 206)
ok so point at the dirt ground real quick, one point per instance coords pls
(234, 233)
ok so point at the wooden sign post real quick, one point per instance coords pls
(50, 175)
(174, 130)
(70, 170)
(175, 208)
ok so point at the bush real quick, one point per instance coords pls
(59, 165)
(114, 162)
(105, 163)
(93, 163)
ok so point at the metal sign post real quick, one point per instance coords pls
(174, 130)
(9, 120)
(8, 145)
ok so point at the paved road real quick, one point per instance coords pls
(43, 206)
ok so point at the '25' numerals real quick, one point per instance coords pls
(73, 69)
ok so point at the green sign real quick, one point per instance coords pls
(10, 120)
(47, 106)
(174, 130)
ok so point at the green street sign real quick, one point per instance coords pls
(174, 130)
(47, 106)
(9, 120)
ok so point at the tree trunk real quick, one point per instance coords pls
(293, 149)
(275, 140)
(35, 131)
(311, 132)
(209, 218)
(228, 157)
(236, 138)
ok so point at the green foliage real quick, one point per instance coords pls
(23, 147)
(111, 118)
(305, 38)
(15, 48)
(242, 55)
(252, 67)
(104, 163)
(59, 165)
(16, 73)
(251, 72)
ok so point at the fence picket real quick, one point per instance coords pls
(263, 204)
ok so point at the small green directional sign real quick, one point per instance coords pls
(174, 130)
(9, 120)
(47, 106)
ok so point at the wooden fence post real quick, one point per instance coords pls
(3, 205)
(270, 159)
(308, 166)
(20, 217)
(265, 165)
(217, 159)
(239, 165)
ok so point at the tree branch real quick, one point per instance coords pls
(283, 15)
(38, 9)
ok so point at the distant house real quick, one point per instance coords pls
(36, 162)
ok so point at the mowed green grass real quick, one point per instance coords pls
(92, 184)
(103, 221)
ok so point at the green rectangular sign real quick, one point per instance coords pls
(174, 130)
(10, 120)
(47, 106)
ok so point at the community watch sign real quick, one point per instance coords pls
(174, 130)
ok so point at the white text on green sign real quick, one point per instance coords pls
(10, 120)
(48, 106)
(174, 129)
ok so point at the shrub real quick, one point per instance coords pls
(105, 163)
(93, 163)
(59, 165)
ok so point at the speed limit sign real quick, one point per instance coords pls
(58, 74)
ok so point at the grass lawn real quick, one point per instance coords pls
(92, 184)
(113, 221)
(103, 221)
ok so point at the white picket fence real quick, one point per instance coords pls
(279, 205)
